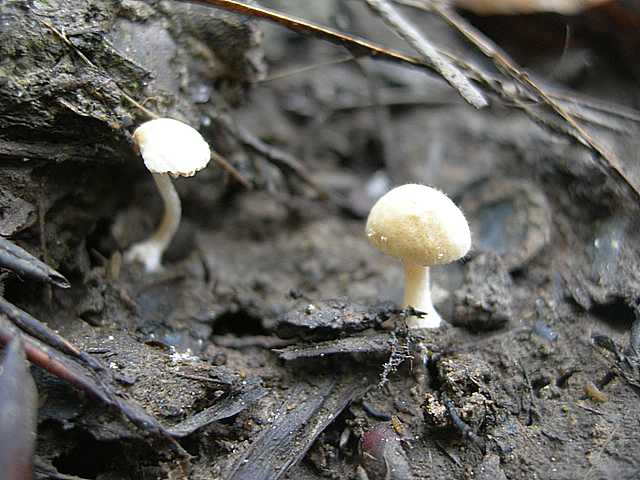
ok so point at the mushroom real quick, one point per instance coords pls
(169, 148)
(423, 227)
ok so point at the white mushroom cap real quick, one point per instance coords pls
(173, 147)
(419, 225)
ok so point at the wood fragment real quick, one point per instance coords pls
(459, 424)
(24, 264)
(332, 318)
(19, 407)
(275, 155)
(419, 42)
(368, 344)
(356, 46)
(589, 409)
(226, 407)
(39, 330)
(261, 341)
(307, 412)
(231, 170)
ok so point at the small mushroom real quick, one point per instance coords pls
(169, 148)
(422, 227)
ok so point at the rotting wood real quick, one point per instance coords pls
(305, 414)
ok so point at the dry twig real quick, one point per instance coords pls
(419, 42)
(39, 330)
(230, 169)
(277, 156)
(358, 47)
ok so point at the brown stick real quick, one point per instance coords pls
(357, 46)
(230, 169)
(404, 29)
(19, 406)
(55, 364)
(37, 329)
(277, 156)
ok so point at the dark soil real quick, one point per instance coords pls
(271, 345)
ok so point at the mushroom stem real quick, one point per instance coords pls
(417, 294)
(172, 211)
(149, 252)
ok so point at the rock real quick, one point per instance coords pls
(484, 300)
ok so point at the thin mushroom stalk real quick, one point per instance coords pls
(169, 148)
(417, 294)
(149, 252)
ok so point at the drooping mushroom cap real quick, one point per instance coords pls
(419, 225)
(173, 147)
